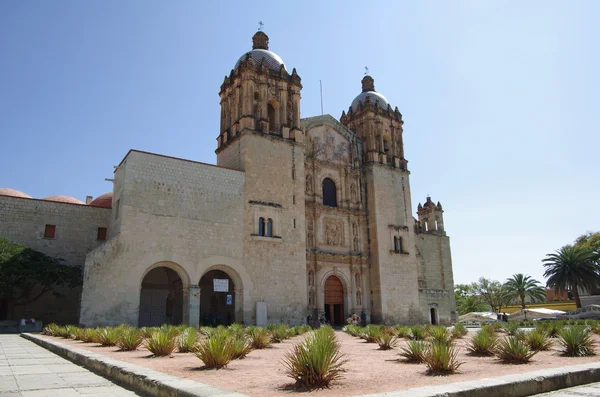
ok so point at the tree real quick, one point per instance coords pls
(571, 268)
(26, 275)
(521, 286)
(589, 241)
(491, 292)
(467, 301)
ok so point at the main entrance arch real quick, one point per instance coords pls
(334, 301)
(217, 298)
(161, 298)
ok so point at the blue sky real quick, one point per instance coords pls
(500, 100)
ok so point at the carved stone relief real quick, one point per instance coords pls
(334, 231)
(309, 184)
(353, 193)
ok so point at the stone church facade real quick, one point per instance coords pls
(300, 217)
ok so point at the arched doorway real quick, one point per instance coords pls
(433, 316)
(334, 301)
(217, 299)
(161, 298)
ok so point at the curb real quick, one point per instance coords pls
(519, 385)
(138, 378)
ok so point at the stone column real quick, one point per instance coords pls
(194, 306)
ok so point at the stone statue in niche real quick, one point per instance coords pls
(309, 184)
(311, 278)
(311, 298)
(358, 298)
(357, 279)
(353, 192)
(356, 244)
(354, 229)
(334, 231)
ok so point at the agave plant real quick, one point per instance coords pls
(513, 350)
(484, 343)
(459, 330)
(402, 331)
(259, 337)
(371, 332)
(317, 361)
(131, 339)
(386, 340)
(440, 334)
(187, 340)
(576, 341)
(51, 329)
(417, 332)
(279, 332)
(538, 340)
(414, 351)
(216, 351)
(241, 346)
(108, 336)
(161, 343)
(442, 358)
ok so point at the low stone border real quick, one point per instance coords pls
(519, 385)
(138, 378)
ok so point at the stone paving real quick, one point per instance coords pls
(28, 370)
(592, 389)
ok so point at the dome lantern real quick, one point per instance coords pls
(260, 41)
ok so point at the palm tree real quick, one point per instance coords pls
(571, 268)
(471, 303)
(521, 286)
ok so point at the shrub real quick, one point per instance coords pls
(414, 351)
(440, 334)
(241, 346)
(484, 343)
(490, 329)
(216, 351)
(317, 361)
(552, 328)
(161, 343)
(538, 340)
(442, 358)
(131, 339)
(259, 337)
(510, 328)
(108, 336)
(187, 340)
(171, 330)
(279, 332)
(51, 329)
(353, 330)
(90, 335)
(402, 331)
(78, 333)
(576, 341)
(371, 332)
(386, 340)
(148, 331)
(459, 330)
(417, 332)
(513, 350)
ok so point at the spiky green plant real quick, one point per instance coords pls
(439, 333)
(172, 330)
(90, 335)
(418, 332)
(510, 328)
(538, 340)
(241, 346)
(386, 340)
(514, 351)
(51, 329)
(371, 332)
(108, 336)
(131, 339)
(317, 361)
(187, 340)
(353, 330)
(79, 333)
(442, 358)
(260, 337)
(161, 343)
(402, 331)
(279, 332)
(414, 351)
(484, 343)
(459, 331)
(576, 341)
(489, 328)
(217, 350)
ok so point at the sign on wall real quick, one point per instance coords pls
(229, 300)
(220, 285)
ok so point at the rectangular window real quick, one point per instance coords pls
(50, 231)
(101, 233)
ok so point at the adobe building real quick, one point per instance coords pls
(298, 218)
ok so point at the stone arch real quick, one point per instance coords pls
(273, 115)
(236, 292)
(183, 274)
(347, 292)
(338, 185)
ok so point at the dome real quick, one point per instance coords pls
(103, 201)
(5, 191)
(260, 52)
(369, 93)
(63, 199)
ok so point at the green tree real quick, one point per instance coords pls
(471, 303)
(589, 241)
(521, 286)
(491, 292)
(571, 268)
(26, 275)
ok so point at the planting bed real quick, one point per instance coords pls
(369, 370)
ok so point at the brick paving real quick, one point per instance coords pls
(28, 370)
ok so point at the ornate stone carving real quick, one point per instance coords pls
(358, 298)
(334, 231)
(355, 244)
(311, 297)
(353, 193)
(309, 184)
(357, 280)
(311, 278)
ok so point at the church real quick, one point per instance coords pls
(300, 218)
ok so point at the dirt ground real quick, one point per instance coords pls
(369, 370)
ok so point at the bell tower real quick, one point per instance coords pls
(259, 95)
(371, 117)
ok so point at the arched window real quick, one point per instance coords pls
(329, 193)
(261, 226)
(271, 117)
(269, 227)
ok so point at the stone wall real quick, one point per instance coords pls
(23, 221)
(436, 288)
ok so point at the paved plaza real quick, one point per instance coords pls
(593, 389)
(28, 370)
